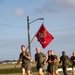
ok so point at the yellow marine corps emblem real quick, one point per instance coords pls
(42, 34)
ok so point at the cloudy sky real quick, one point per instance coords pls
(59, 20)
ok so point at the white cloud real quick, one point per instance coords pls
(64, 3)
(51, 6)
(19, 11)
(68, 3)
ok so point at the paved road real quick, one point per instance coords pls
(20, 74)
(60, 74)
(68, 74)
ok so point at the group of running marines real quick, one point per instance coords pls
(51, 60)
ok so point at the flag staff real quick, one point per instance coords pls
(28, 29)
(31, 41)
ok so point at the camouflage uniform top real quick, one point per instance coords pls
(24, 59)
(39, 57)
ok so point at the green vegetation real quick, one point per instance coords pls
(10, 69)
(14, 70)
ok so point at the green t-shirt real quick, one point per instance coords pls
(39, 57)
(51, 57)
(65, 60)
(24, 59)
(72, 59)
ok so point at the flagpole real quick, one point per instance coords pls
(28, 29)
(30, 42)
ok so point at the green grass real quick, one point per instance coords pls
(14, 70)
(10, 69)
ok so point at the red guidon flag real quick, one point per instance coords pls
(43, 36)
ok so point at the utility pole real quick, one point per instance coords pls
(28, 29)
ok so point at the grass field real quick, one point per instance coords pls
(12, 74)
(9, 69)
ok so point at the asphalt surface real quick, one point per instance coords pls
(68, 74)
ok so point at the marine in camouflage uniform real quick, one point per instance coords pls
(64, 59)
(57, 62)
(51, 63)
(73, 63)
(57, 59)
(39, 58)
(25, 61)
(25, 57)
